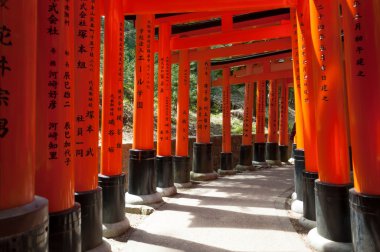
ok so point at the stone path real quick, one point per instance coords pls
(245, 212)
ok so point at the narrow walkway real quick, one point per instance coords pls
(245, 212)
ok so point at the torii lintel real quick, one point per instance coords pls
(132, 7)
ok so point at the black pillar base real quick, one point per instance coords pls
(164, 168)
(113, 197)
(245, 159)
(299, 168)
(283, 153)
(25, 228)
(142, 172)
(202, 158)
(226, 164)
(365, 222)
(226, 161)
(91, 203)
(272, 153)
(259, 152)
(333, 211)
(65, 230)
(309, 195)
(181, 169)
(246, 155)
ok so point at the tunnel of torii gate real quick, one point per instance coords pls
(59, 193)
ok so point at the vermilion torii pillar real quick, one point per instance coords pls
(226, 155)
(260, 141)
(55, 116)
(331, 189)
(202, 148)
(299, 152)
(284, 127)
(165, 177)
(246, 154)
(142, 171)
(308, 109)
(362, 54)
(86, 159)
(17, 131)
(272, 150)
(111, 177)
(181, 160)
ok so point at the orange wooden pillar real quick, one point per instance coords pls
(165, 176)
(331, 190)
(17, 131)
(181, 160)
(308, 109)
(55, 122)
(284, 127)
(203, 102)
(226, 155)
(272, 150)
(299, 152)
(248, 112)
(111, 177)
(362, 54)
(226, 134)
(141, 169)
(246, 152)
(260, 141)
(297, 80)
(86, 159)
(202, 148)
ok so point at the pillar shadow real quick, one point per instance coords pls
(142, 236)
(218, 218)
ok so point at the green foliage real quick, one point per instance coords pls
(237, 91)
(236, 126)
(193, 86)
(129, 59)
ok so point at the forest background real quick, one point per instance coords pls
(237, 94)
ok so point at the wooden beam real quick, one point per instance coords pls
(238, 50)
(253, 61)
(237, 60)
(133, 7)
(193, 17)
(281, 66)
(258, 69)
(255, 77)
(216, 22)
(240, 24)
(232, 37)
(227, 23)
(275, 20)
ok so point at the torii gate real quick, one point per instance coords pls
(260, 74)
(202, 148)
(49, 76)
